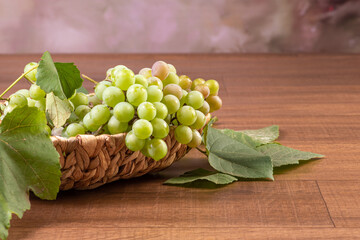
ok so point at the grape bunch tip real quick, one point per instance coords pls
(146, 106)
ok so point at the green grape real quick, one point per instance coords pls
(197, 82)
(173, 89)
(213, 86)
(145, 148)
(168, 119)
(31, 75)
(204, 89)
(75, 129)
(90, 123)
(146, 72)
(172, 103)
(36, 92)
(124, 112)
(140, 79)
(185, 82)
(195, 99)
(186, 115)
(214, 102)
(41, 104)
(124, 78)
(183, 98)
(205, 108)
(136, 94)
(100, 114)
(134, 143)
(31, 102)
(160, 128)
(142, 129)
(93, 99)
(161, 110)
(172, 69)
(157, 149)
(112, 96)
(172, 78)
(79, 99)
(18, 100)
(81, 111)
(48, 129)
(196, 139)
(108, 73)
(154, 94)
(115, 70)
(8, 109)
(183, 134)
(24, 92)
(147, 111)
(160, 69)
(115, 126)
(100, 88)
(155, 81)
(200, 120)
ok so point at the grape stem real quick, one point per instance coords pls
(99, 130)
(89, 79)
(29, 80)
(202, 151)
(17, 80)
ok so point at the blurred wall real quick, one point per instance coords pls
(181, 26)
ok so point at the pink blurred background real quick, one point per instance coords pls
(179, 26)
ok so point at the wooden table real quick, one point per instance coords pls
(315, 99)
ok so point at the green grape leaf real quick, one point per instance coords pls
(58, 110)
(28, 161)
(82, 90)
(263, 135)
(201, 175)
(60, 78)
(281, 155)
(230, 156)
(240, 137)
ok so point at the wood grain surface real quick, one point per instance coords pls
(315, 99)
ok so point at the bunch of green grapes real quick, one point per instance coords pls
(145, 106)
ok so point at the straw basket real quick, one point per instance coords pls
(89, 161)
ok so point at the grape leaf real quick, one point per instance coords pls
(28, 161)
(60, 78)
(281, 155)
(230, 156)
(58, 110)
(240, 137)
(201, 175)
(263, 135)
(82, 90)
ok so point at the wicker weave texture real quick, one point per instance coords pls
(89, 161)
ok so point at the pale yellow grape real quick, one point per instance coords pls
(196, 139)
(205, 108)
(185, 82)
(160, 69)
(155, 81)
(146, 72)
(173, 89)
(197, 82)
(204, 89)
(171, 68)
(171, 78)
(213, 86)
(214, 102)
